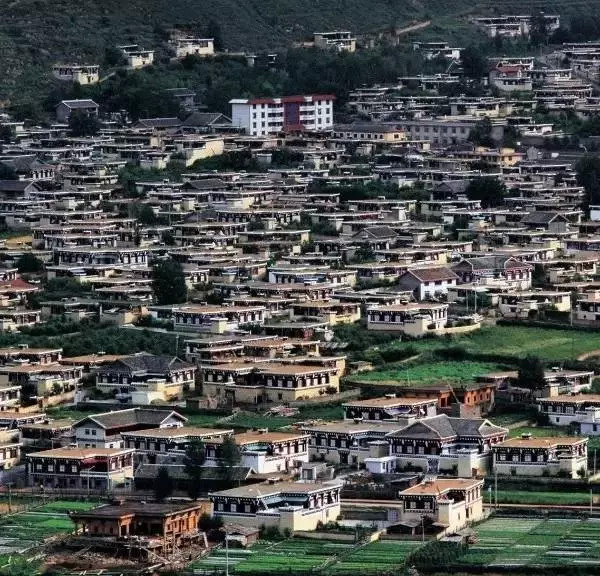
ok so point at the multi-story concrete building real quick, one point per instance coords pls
(263, 116)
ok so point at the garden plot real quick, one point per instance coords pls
(379, 557)
(25, 530)
(519, 542)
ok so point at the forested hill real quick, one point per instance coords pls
(36, 33)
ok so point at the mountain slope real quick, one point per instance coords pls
(36, 33)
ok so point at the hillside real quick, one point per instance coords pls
(36, 33)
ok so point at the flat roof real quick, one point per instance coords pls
(178, 432)
(262, 490)
(389, 402)
(546, 442)
(80, 453)
(441, 485)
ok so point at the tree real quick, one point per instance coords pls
(364, 253)
(113, 57)
(213, 30)
(531, 373)
(481, 133)
(538, 33)
(163, 486)
(488, 190)
(231, 456)
(588, 176)
(146, 215)
(29, 264)
(168, 282)
(7, 172)
(193, 461)
(473, 62)
(83, 124)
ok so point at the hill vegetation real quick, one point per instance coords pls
(34, 34)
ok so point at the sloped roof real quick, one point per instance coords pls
(492, 262)
(377, 232)
(442, 426)
(206, 119)
(131, 417)
(540, 217)
(434, 274)
(159, 122)
(144, 362)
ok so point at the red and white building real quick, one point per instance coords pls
(263, 116)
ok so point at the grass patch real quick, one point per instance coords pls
(549, 344)
(550, 498)
(430, 373)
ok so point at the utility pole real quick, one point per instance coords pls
(496, 489)
(422, 528)
(591, 501)
(9, 498)
(226, 553)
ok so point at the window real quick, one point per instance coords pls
(94, 432)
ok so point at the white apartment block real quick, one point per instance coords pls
(262, 116)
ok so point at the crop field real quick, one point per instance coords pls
(547, 343)
(539, 497)
(24, 530)
(457, 372)
(298, 556)
(518, 542)
(384, 556)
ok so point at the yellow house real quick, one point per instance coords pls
(249, 383)
(442, 505)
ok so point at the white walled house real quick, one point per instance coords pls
(263, 116)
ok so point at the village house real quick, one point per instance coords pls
(547, 456)
(264, 452)
(390, 408)
(216, 319)
(80, 468)
(430, 282)
(347, 443)
(414, 319)
(162, 445)
(459, 446)
(187, 46)
(82, 74)
(104, 430)
(256, 383)
(441, 506)
(517, 274)
(10, 449)
(292, 506)
(144, 378)
(67, 107)
(154, 528)
(581, 411)
(338, 40)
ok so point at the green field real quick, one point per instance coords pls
(303, 556)
(25, 530)
(538, 497)
(547, 343)
(519, 542)
(432, 373)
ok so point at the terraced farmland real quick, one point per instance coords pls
(376, 558)
(25, 530)
(518, 542)
(298, 556)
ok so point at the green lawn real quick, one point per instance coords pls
(536, 497)
(538, 431)
(547, 343)
(562, 543)
(431, 373)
